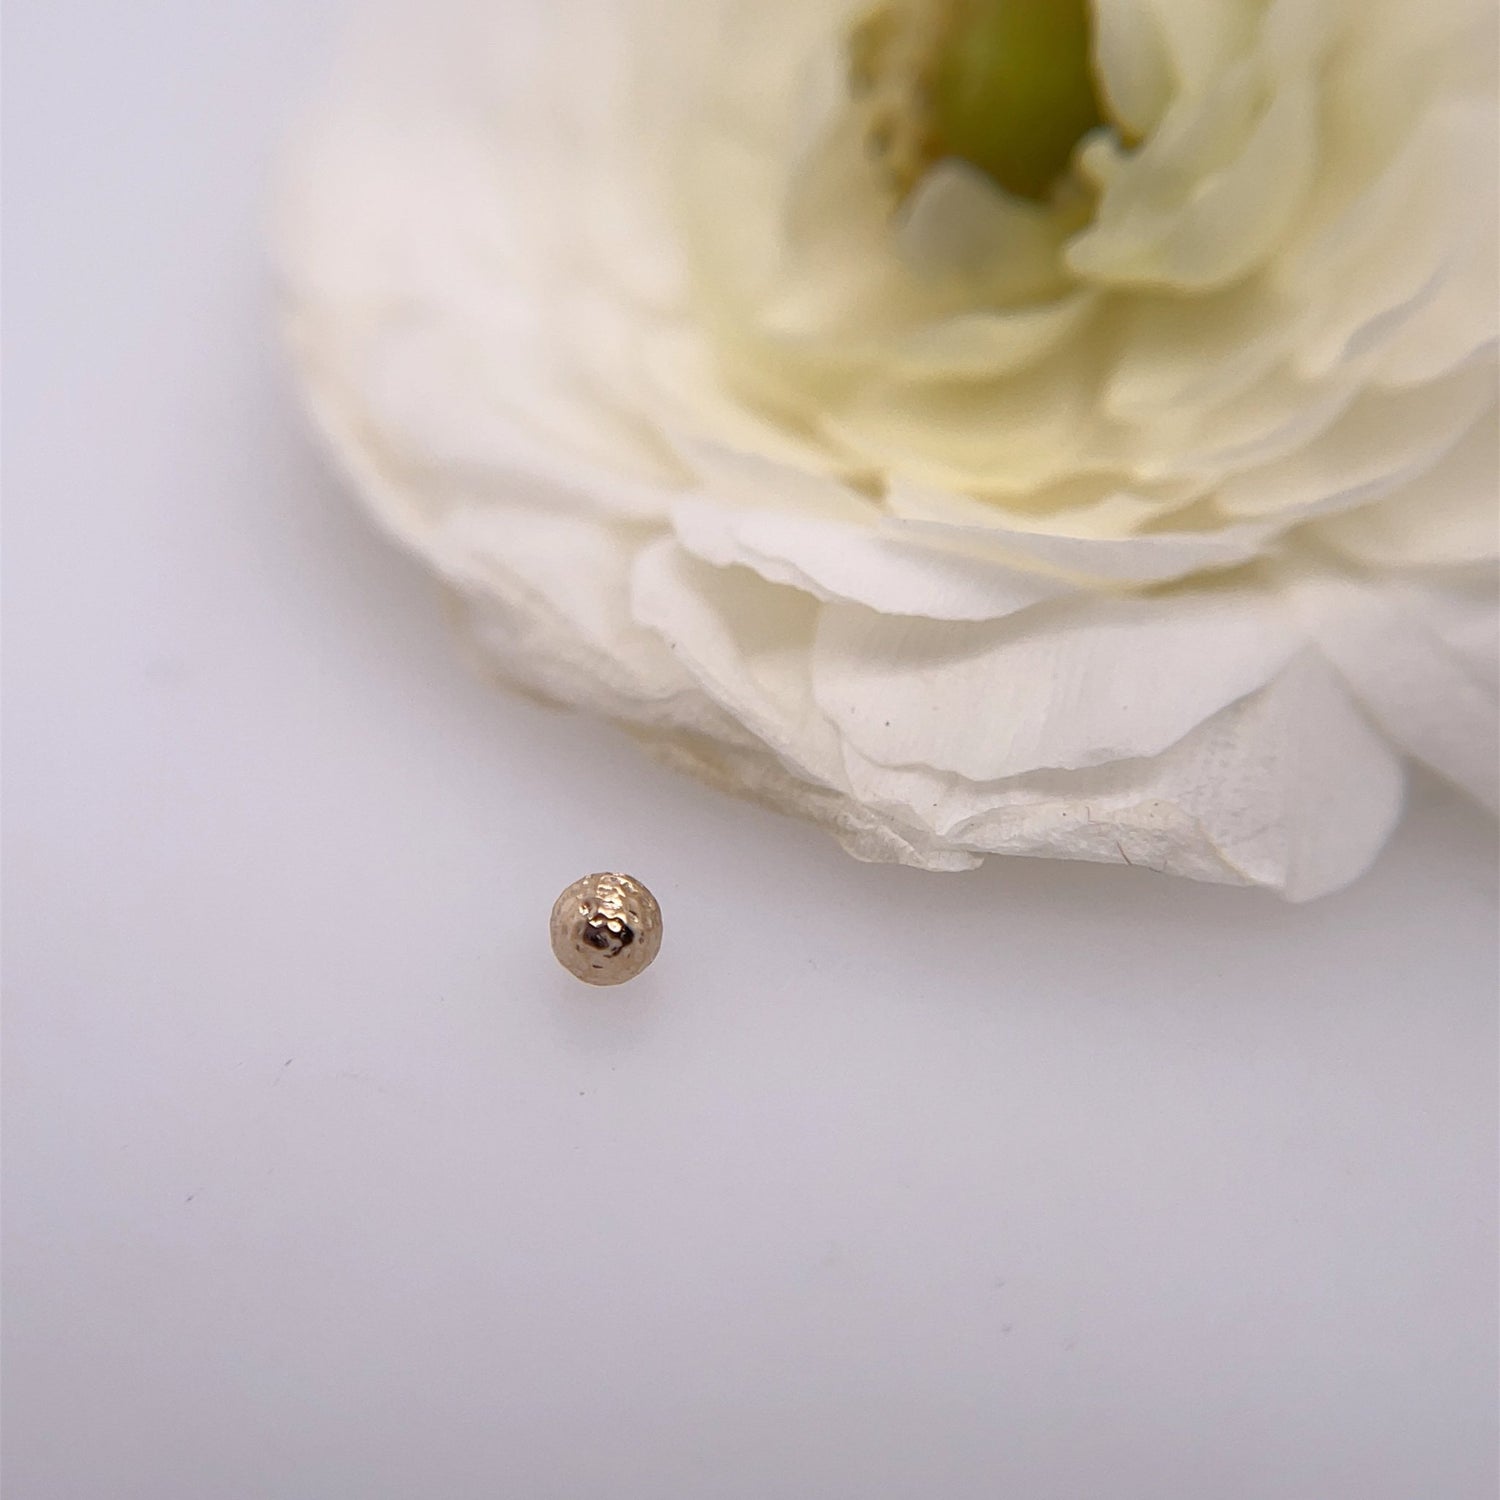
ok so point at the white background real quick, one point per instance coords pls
(1045, 1183)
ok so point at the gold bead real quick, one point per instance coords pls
(606, 928)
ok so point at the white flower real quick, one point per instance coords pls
(1150, 516)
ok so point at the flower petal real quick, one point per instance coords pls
(859, 563)
(1133, 63)
(1371, 272)
(565, 568)
(750, 771)
(1384, 439)
(1425, 677)
(1067, 685)
(1289, 789)
(1178, 354)
(1134, 557)
(1171, 216)
(1446, 516)
(747, 644)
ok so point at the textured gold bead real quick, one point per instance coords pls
(606, 928)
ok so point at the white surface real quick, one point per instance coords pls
(324, 1181)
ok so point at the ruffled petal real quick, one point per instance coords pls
(1369, 277)
(861, 564)
(1449, 515)
(1111, 556)
(747, 644)
(1289, 789)
(1133, 63)
(1383, 440)
(1064, 686)
(1177, 214)
(1423, 675)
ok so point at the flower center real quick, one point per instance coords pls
(1006, 85)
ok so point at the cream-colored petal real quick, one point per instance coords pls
(1395, 647)
(1179, 354)
(1289, 789)
(1458, 605)
(1177, 214)
(747, 643)
(690, 399)
(958, 226)
(1385, 439)
(983, 345)
(750, 771)
(1203, 39)
(1064, 686)
(1110, 557)
(1370, 272)
(1449, 515)
(1009, 436)
(1133, 63)
(861, 563)
(575, 569)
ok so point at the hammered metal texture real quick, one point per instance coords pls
(606, 928)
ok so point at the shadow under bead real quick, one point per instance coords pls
(606, 928)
